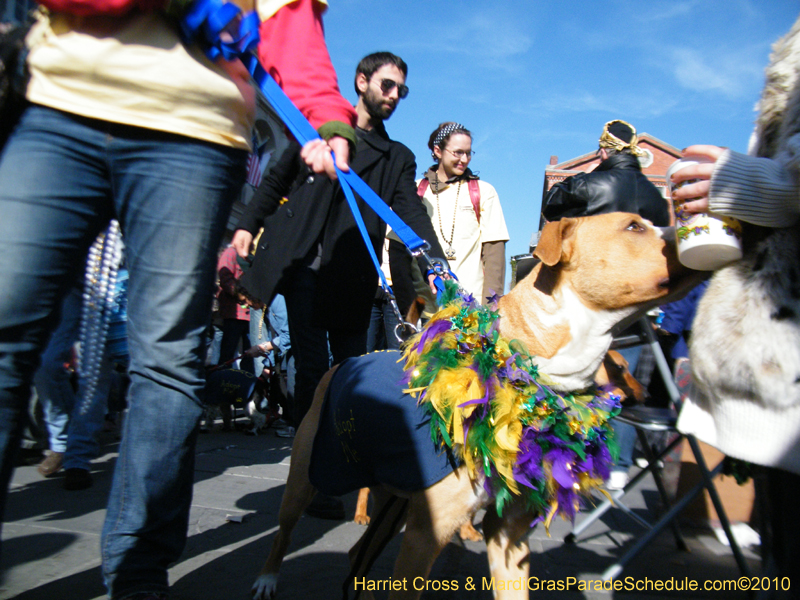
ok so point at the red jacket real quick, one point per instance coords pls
(229, 273)
(292, 50)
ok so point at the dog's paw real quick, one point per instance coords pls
(361, 519)
(265, 586)
(468, 532)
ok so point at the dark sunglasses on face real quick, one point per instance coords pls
(387, 85)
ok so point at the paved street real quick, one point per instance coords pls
(51, 538)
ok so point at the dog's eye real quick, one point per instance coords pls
(634, 226)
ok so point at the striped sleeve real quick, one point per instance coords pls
(762, 191)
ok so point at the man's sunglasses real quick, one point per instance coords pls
(387, 85)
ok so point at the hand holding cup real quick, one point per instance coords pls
(693, 197)
(706, 241)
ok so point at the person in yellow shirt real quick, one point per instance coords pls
(127, 121)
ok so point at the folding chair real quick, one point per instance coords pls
(649, 419)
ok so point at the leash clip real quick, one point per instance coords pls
(421, 250)
(403, 330)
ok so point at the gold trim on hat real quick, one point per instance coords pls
(609, 140)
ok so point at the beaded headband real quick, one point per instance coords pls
(446, 131)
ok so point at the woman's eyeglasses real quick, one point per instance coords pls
(459, 154)
(387, 85)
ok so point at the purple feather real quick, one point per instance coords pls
(560, 458)
(433, 330)
(602, 461)
(566, 502)
(528, 468)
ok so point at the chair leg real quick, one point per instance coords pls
(652, 459)
(721, 515)
(614, 570)
(616, 502)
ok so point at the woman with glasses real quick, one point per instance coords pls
(465, 212)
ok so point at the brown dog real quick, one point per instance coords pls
(595, 272)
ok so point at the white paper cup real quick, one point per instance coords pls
(706, 241)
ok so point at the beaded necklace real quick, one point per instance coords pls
(102, 266)
(449, 252)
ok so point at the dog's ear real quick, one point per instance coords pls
(553, 247)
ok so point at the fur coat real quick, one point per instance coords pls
(745, 347)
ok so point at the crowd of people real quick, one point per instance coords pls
(162, 150)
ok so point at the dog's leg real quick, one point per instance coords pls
(434, 515)
(468, 532)
(362, 513)
(389, 513)
(296, 497)
(507, 549)
(227, 416)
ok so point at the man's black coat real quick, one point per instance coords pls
(317, 213)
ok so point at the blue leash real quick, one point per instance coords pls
(205, 22)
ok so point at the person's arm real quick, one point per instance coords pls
(279, 321)
(762, 191)
(293, 51)
(559, 201)
(494, 235)
(226, 268)
(281, 172)
(493, 256)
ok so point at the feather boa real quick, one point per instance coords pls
(490, 405)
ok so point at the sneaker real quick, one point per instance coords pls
(326, 507)
(51, 464)
(77, 479)
(285, 432)
(280, 423)
(617, 480)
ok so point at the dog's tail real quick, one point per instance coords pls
(414, 313)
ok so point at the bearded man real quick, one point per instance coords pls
(311, 250)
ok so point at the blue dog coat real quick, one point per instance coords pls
(371, 432)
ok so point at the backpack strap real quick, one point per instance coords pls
(475, 196)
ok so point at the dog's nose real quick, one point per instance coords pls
(667, 233)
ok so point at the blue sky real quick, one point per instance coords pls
(534, 79)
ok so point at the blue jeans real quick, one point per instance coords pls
(52, 380)
(87, 419)
(625, 434)
(256, 328)
(233, 332)
(71, 429)
(62, 178)
(382, 324)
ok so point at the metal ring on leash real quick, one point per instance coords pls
(404, 326)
